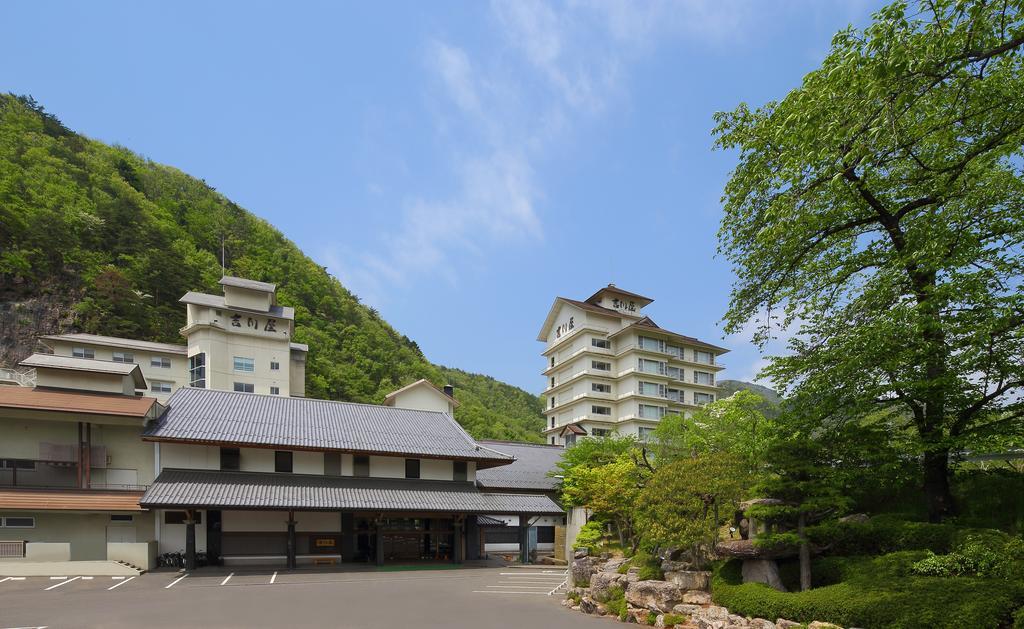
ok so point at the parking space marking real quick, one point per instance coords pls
(57, 578)
(86, 578)
(227, 578)
(120, 583)
(118, 578)
(12, 579)
(520, 587)
(505, 592)
(57, 585)
(171, 584)
(274, 578)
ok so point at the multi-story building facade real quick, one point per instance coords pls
(611, 368)
(238, 341)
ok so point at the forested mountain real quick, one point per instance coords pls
(772, 401)
(95, 238)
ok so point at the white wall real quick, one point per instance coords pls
(277, 521)
(172, 536)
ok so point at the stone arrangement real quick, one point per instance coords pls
(683, 594)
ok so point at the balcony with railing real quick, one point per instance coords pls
(64, 474)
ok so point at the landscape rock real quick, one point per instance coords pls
(859, 518)
(697, 597)
(687, 609)
(690, 579)
(675, 566)
(581, 553)
(602, 582)
(587, 605)
(760, 623)
(654, 595)
(782, 623)
(746, 549)
(613, 564)
(763, 571)
(817, 624)
(581, 570)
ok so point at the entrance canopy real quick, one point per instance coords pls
(215, 489)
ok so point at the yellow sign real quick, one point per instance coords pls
(325, 542)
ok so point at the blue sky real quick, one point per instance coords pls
(456, 164)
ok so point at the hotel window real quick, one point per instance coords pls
(361, 466)
(703, 398)
(600, 388)
(282, 461)
(654, 345)
(652, 388)
(230, 459)
(570, 439)
(160, 361)
(602, 343)
(600, 366)
(648, 411)
(645, 433)
(703, 377)
(245, 387)
(706, 358)
(83, 352)
(651, 366)
(123, 357)
(244, 364)
(552, 440)
(274, 365)
(197, 371)
(412, 468)
(601, 410)
(599, 432)
(551, 401)
(676, 351)
(676, 395)
(675, 373)
(157, 386)
(18, 522)
(275, 391)
(552, 361)
(460, 471)
(552, 382)
(552, 422)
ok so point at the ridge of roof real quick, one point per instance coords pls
(615, 289)
(114, 341)
(241, 282)
(421, 381)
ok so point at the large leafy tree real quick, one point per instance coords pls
(878, 210)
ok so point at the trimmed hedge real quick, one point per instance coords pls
(888, 534)
(876, 592)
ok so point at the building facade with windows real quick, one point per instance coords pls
(611, 368)
(239, 341)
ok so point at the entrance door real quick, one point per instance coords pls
(213, 537)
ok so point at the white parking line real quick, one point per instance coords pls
(274, 578)
(504, 592)
(118, 578)
(86, 578)
(227, 578)
(520, 587)
(57, 585)
(120, 583)
(171, 584)
(57, 578)
(544, 573)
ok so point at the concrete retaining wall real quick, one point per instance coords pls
(142, 555)
(48, 551)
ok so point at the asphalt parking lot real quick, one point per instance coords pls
(453, 598)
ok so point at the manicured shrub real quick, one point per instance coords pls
(882, 534)
(675, 619)
(590, 536)
(996, 556)
(1018, 619)
(876, 592)
(649, 565)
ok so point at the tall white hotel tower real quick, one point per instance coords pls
(610, 368)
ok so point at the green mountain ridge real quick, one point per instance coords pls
(95, 238)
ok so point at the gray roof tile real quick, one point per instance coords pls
(209, 416)
(241, 282)
(176, 488)
(217, 301)
(530, 470)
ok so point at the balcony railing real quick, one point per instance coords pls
(47, 474)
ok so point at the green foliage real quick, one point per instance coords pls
(649, 565)
(675, 619)
(875, 592)
(590, 536)
(882, 534)
(117, 240)
(735, 425)
(616, 602)
(979, 556)
(574, 596)
(875, 210)
(1018, 619)
(685, 502)
(990, 499)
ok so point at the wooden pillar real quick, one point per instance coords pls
(78, 462)
(290, 563)
(88, 456)
(524, 538)
(457, 539)
(190, 540)
(379, 543)
(348, 537)
(473, 547)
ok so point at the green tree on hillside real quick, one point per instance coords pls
(878, 209)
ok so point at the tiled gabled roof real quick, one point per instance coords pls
(208, 489)
(249, 419)
(530, 471)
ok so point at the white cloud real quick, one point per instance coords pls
(550, 66)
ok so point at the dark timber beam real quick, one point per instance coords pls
(291, 541)
(524, 538)
(190, 540)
